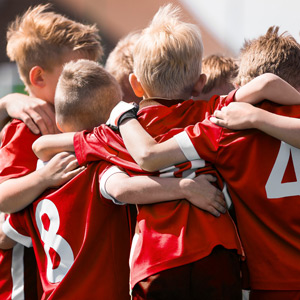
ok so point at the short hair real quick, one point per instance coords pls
(168, 55)
(85, 94)
(219, 70)
(42, 38)
(119, 63)
(270, 53)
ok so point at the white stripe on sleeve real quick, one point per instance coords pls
(186, 146)
(112, 170)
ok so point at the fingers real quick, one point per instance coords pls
(30, 123)
(74, 172)
(44, 118)
(208, 177)
(214, 212)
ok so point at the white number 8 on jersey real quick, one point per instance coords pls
(52, 240)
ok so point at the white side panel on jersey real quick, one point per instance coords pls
(17, 272)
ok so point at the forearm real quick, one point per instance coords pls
(17, 193)
(147, 153)
(268, 86)
(283, 128)
(47, 146)
(147, 190)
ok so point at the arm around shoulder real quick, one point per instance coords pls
(48, 145)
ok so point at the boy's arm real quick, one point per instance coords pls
(5, 241)
(46, 146)
(148, 154)
(37, 114)
(152, 156)
(17, 193)
(268, 86)
(148, 190)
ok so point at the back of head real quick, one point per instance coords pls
(85, 95)
(120, 64)
(270, 53)
(220, 72)
(42, 38)
(168, 55)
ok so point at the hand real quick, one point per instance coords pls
(37, 114)
(120, 112)
(60, 169)
(201, 193)
(237, 116)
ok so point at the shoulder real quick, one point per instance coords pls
(17, 130)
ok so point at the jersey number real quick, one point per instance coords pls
(53, 241)
(274, 187)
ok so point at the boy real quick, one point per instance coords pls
(79, 261)
(220, 72)
(40, 42)
(274, 53)
(267, 207)
(85, 94)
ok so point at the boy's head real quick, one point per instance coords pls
(85, 95)
(120, 64)
(41, 42)
(220, 72)
(168, 57)
(270, 53)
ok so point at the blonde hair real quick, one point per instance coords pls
(85, 94)
(168, 55)
(42, 38)
(270, 53)
(219, 70)
(119, 63)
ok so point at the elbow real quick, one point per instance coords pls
(6, 208)
(146, 161)
(40, 151)
(269, 79)
(6, 204)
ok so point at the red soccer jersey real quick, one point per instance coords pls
(262, 174)
(173, 233)
(16, 159)
(80, 239)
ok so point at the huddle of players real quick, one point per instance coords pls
(79, 226)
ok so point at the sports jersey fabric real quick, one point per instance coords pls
(262, 174)
(173, 233)
(80, 239)
(16, 159)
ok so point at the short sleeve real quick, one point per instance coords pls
(109, 172)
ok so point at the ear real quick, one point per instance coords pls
(136, 85)
(36, 76)
(198, 87)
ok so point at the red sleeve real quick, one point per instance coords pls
(217, 102)
(103, 144)
(16, 156)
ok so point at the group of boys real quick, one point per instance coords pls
(76, 218)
